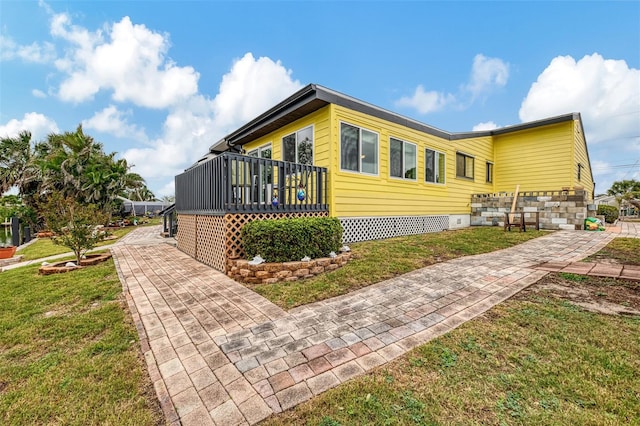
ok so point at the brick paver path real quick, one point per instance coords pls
(219, 353)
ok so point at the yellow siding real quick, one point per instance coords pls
(582, 157)
(320, 121)
(356, 194)
(537, 159)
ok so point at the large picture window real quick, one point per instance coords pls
(358, 149)
(464, 165)
(434, 166)
(298, 147)
(402, 159)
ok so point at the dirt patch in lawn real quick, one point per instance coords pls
(596, 294)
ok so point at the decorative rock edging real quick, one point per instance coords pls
(60, 267)
(269, 273)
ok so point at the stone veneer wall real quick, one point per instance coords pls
(268, 273)
(566, 209)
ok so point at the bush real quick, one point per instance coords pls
(610, 213)
(286, 240)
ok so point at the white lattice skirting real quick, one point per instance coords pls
(378, 228)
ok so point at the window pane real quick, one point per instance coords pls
(253, 153)
(409, 161)
(369, 152)
(289, 148)
(468, 167)
(349, 150)
(395, 158)
(305, 146)
(460, 165)
(440, 173)
(265, 152)
(429, 166)
(489, 172)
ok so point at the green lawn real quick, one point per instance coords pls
(622, 250)
(68, 352)
(375, 261)
(45, 247)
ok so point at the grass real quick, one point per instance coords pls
(45, 247)
(536, 361)
(623, 250)
(68, 353)
(375, 261)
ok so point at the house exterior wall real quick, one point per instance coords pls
(363, 195)
(518, 158)
(536, 159)
(582, 157)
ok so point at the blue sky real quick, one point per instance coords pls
(159, 82)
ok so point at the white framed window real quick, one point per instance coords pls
(298, 146)
(402, 159)
(358, 149)
(261, 152)
(434, 166)
(464, 165)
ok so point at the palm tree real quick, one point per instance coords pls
(18, 166)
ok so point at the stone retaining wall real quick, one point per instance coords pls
(566, 209)
(268, 273)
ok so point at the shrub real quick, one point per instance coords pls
(610, 213)
(286, 240)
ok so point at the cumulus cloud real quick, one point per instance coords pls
(38, 124)
(605, 91)
(111, 120)
(34, 52)
(487, 74)
(125, 58)
(487, 125)
(607, 94)
(426, 101)
(248, 89)
(38, 94)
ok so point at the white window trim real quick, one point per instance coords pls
(415, 179)
(313, 142)
(359, 172)
(444, 171)
(260, 148)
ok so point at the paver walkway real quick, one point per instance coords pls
(221, 354)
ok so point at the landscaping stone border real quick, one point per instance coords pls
(269, 273)
(59, 267)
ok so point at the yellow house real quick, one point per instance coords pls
(320, 152)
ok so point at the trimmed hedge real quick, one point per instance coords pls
(286, 240)
(610, 213)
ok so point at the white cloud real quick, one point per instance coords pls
(129, 60)
(487, 125)
(38, 93)
(486, 75)
(111, 120)
(168, 189)
(34, 52)
(38, 124)
(606, 92)
(426, 102)
(248, 89)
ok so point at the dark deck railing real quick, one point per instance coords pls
(234, 183)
